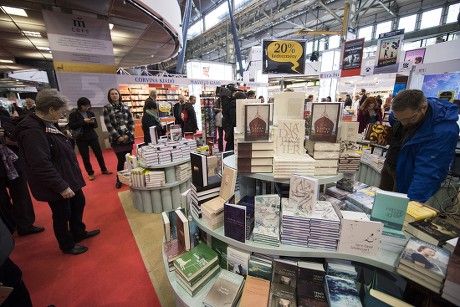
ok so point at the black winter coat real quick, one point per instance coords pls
(189, 117)
(51, 163)
(76, 120)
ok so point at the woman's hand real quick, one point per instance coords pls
(67, 193)
(121, 139)
(125, 138)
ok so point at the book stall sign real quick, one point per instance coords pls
(352, 57)
(416, 56)
(388, 50)
(283, 57)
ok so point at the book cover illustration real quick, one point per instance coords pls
(237, 261)
(259, 268)
(220, 247)
(282, 296)
(436, 230)
(379, 134)
(289, 137)
(304, 190)
(194, 261)
(267, 215)
(390, 208)
(241, 111)
(256, 122)
(225, 291)
(285, 272)
(426, 257)
(325, 121)
(175, 133)
(348, 137)
(341, 292)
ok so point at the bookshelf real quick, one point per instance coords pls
(208, 103)
(159, 199)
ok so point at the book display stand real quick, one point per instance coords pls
(165, 198)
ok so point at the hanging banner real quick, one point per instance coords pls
(283, 57)
(388, 50)
(416, 56)
(352, 57)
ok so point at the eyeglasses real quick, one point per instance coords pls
(408, 119)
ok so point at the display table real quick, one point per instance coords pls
(165, 198)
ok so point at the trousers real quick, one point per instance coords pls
(83, 148)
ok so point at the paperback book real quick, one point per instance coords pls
(304, 190)
(390, 208)
(225, 291)
(341, 292)
(256, 292)
(289, 137)
(285, 272)
(196, 262)
(436, 230)
(282, 295)
(237, 261)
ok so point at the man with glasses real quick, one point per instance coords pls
(425, 134)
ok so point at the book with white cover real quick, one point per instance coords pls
(267, 215)
(289, 137)
(237, 261)
(304, 190)
(348, 137)
(241, 113)
(288, 105)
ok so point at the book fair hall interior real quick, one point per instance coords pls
(230, 153)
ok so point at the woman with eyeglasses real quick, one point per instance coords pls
(52, 170)
(120, 124)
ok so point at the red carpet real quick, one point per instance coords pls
(111, 273)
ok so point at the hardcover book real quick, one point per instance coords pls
(341, 292)
(288, 105)
(325, 120)
(227, 189)
(255, 153)
(257, 122)
(267, 216)
(183, 230)
(311, 295)
(237, 261)
(378, 134)
(173, 249)
(282, 295)
(390, 208)
(196, 262)
(289, 137)
(248, 202)
(256, 292)
(192, 290)
(225, 291)
(426, 258)
(235, 222)
(435, 231)
(254, 146)
(311, 272)
(220, 247)
(260, 268)
(348, 137)
(304, 190)
(240, 112)
(285, 272)
(199, 169)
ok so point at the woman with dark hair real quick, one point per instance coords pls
(52, 170)
(150, 119)
(120, 124)
(369, 113)
(84, 121)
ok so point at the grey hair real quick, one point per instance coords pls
(409, 99)
(50, 98)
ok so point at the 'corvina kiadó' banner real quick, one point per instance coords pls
(283, 57)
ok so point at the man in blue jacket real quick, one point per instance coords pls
(423, 146)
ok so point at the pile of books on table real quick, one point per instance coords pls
(183, 171)
(324, 226)
(424, 263)
(200, 194)
(195, 268)
(284, 166)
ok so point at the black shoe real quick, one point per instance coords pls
(88, 234)
(118, 185)
(76, 250)
(106, 172)
(30, 231)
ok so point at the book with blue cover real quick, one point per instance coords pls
(341, 292)
(390, 208)
(235, 222)
(259, 267)
(363, 198)
(248, 202)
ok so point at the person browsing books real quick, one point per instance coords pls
(425, 134)
(189, 116)
(151, 119)
(85, 121)
(421, 256)
(369, 113)
(52, 170)
(119, 122)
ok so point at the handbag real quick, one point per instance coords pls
(76, 132)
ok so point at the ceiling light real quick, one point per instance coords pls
(43, 48)
(31, 33)
(110, 26)
(14, 11)
(6, 61)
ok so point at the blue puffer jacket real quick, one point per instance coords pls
(423, 162)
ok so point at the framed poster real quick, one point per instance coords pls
(325, 120)
(388, 50)
(416, 56)
(257, 122)
(352, 58)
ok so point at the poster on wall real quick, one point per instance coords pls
(416, 56)
(352, 58)
(283, 57)
(434, 85)
(388, 50)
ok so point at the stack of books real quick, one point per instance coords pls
(349, 159)
(424, 263)
(213, 210)
(337, 192)
(350, 185)
(341, 268)
(390, 209)
(358, 234)
(256, 292)
(195, 268)
(435, 230)
(326, 156)
(324, 226)
(183, 171)
(154, 179)
(361, 200)
(349, 163)
(255, 157)
(325, 167)
(284, 166)
(267, 219)
(225, 291)
(310, 284)
(293, 221)
(284, 283)
(418, 212)
(451, 288)
(200, 194)
(335, 201)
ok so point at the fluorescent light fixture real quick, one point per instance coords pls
(43, 48)
(14, 11)
(31, 33)
(110, 26)
(6, 61)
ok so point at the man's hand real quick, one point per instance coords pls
(67, 193)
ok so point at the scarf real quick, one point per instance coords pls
(8, 157)
(154, 114)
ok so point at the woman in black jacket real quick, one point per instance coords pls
(150, 119)
(83, 122)
(52, 170)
